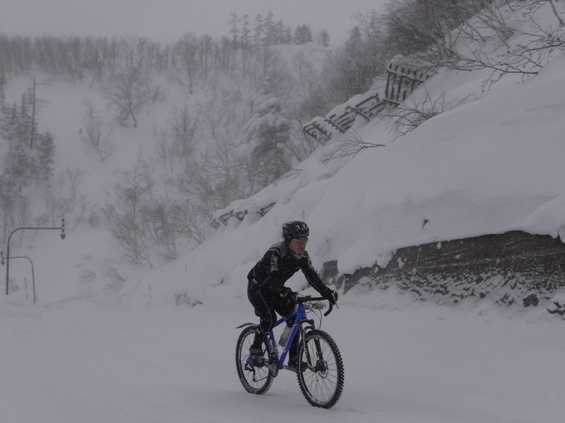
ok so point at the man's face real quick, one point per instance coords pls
(297, 246)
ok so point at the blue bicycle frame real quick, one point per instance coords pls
(299, 316)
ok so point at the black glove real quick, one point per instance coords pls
(330, 295)
(288, 295)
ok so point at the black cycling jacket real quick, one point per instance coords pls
(278, 265)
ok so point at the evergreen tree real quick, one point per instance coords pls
(303, 34)
(15, 130)
(278, 33)
(259, 30)
(324, 38)
(45, 156)
(269, 29)
(267, 132)
(3, 83)
(234, 32)
(288, 38)
(23, 163)
(245, 33)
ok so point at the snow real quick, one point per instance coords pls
(82, 361)
(160, 346)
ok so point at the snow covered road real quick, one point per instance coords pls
(86, 362)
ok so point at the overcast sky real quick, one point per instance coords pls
(168, 20)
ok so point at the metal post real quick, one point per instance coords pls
(63, 235)
(32, 273)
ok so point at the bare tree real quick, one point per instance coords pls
(444, 34)
(299, 144)
(215, 178)
(415, 25)
(414, 111)
(347, 146)
(129, 91)
(219, 175)
(526, 57)
(68, 183)
(184, 127)
(164, 146)
(94, 136)
(556, 13)
(189, 49)
(125, 215)
(175, 144)
(170, 222)
(90, 107)
(96, 139)
(305, 70)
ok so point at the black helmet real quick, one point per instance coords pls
(295, 230)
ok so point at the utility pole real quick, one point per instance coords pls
(33, 113)
(32, 139)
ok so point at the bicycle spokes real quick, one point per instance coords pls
(254, 379)
(321, 381)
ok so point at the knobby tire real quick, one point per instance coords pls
(256, 380)
(320, 371)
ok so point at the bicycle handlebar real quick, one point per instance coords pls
(308, 298)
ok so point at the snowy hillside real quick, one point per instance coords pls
(487, 166)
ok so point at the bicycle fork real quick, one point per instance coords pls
(272, 355)
(317, 364)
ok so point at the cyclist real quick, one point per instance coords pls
(266, 289)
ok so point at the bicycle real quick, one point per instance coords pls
(320, 369)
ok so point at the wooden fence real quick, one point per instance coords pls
(402, 79)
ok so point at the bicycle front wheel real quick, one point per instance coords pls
(320, 369)
(256, 380)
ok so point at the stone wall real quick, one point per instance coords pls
(511, 268)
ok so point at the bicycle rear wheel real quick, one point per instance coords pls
(320, 370)
(256, 380)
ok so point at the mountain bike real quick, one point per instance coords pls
(319, 370)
